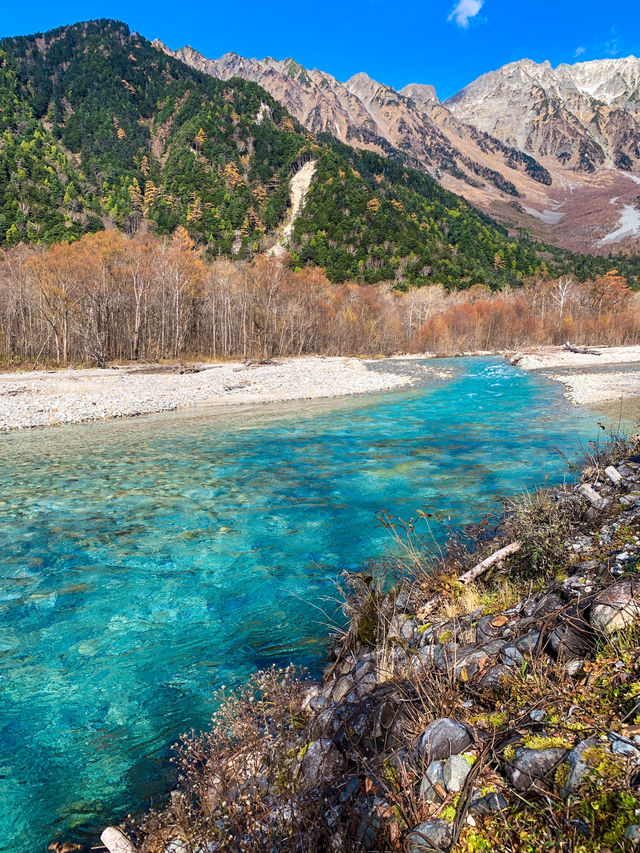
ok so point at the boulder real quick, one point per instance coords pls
(320, 764)
(533, 768)
(443, 738)
(616, 608)
(432, 833)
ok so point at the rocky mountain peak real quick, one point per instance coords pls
(420, 93)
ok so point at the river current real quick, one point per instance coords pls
(146, 562)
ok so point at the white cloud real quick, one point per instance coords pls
(579, 51)
(465, 10)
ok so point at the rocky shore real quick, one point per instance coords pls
(590, 379)
(490, 701)
(47, 398)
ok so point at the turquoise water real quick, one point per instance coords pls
(146, 562)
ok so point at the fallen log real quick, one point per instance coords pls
(580, 350)
(477, 571)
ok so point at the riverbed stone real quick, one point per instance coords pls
(320, 763)
(342, 687)
(579, 765)
(432, 786)
(572, 636)
(632, 833)
(443, 738)
(425, 836)
(616, 608)
(455, 771)
(488, 803)
(493, 677)
(532, 768)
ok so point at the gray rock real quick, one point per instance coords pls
(432, 833)
(545, 605)
(455, 771)
(632, 833)
(443, 738)
(532, 768)
(369, 821)
(572, 636)
(432, 778)
(574, 667)
(579, 768)
(510, 656)
(116, 841)
(493, 677)
(616, 608)
(320, 764)
(489, 627)
(469, 661)
(538, 715)
(493, 646)
(487, 804)
(528, 644)
(623, 746)
(342, 687)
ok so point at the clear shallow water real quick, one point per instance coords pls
(146, 562)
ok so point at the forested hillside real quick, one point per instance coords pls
(100, 130)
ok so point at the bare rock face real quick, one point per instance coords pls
(584, 115)
(616, 608)
(504, 142)
(412, 125)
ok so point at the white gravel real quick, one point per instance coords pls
(544, 358)
(587, 389)
(592, 387)
(46, 398)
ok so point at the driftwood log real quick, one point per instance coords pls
(580, 350)
(474, 573)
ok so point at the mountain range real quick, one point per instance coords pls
(554, 151)
(100, 128)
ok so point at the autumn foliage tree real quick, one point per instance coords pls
(108, 296)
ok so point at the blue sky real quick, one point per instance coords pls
(444, 42)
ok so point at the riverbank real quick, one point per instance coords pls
(590, 379)
(47, 398)
(493, 696)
